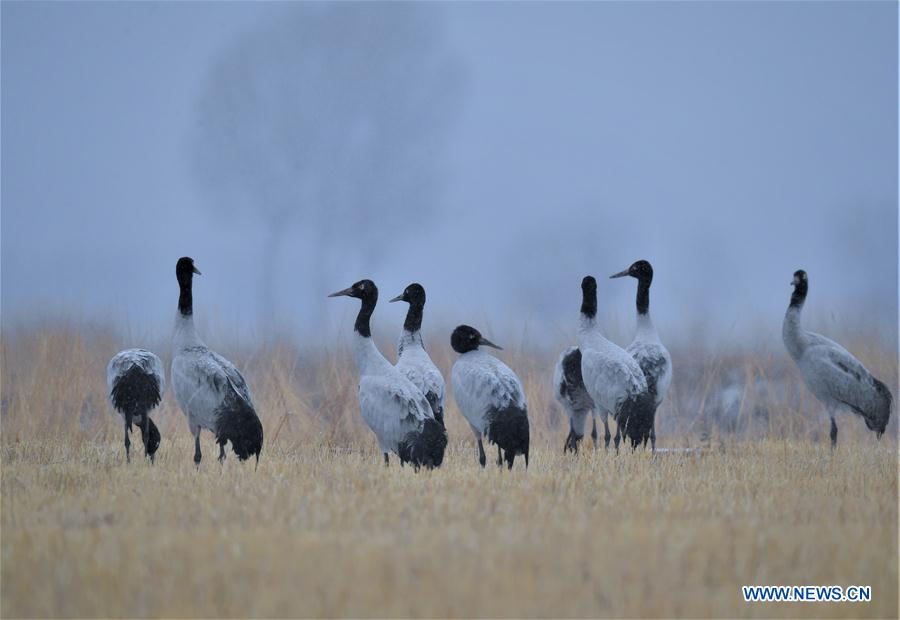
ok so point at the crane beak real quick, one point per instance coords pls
(347, 292)
(621, 274)
(487, 343)
(397, 298)
(197, 271)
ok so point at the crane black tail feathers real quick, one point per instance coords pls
(135, 393)
(239, 424)
(878, 413)
(426, 448)
(636, 418)
(436, 407)
(154, 439)
(508, 428)
(879, 418)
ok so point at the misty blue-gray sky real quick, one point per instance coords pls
(728, 143)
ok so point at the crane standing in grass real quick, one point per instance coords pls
(830, 372)
(136, 382)
(646, 348)
(209, 389)
(570, 392)
(413, 361)
(612, 377)
(490, 397)
(391, 405)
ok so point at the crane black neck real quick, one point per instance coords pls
(365, 313)
(643, 296)
(799, 294)
(185, 297)
(589, 302)
(413, 322)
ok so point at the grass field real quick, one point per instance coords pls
(322, 529)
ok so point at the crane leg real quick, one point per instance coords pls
(145, 436)
(482, 458)
(221, 452)
(594, 431)
(606, 434)
(499, 457)
(617, 438)
(833, 432)
(653, 438)
(197, 455)
(386, 460)
(571, 442)
(127, 444)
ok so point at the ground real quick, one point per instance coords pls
(319, 531)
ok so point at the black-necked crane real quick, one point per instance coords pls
(391, 405)
(831, 373)
(210, 390)
(136, 382)
(490, 396)
(611, 376)
(569, 390)
(646, 348)
(413, 361)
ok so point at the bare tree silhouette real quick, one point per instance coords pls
(332, 119)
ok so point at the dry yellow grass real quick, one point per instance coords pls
(322, 529)
(320, 532)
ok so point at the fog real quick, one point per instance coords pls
(729, 144)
